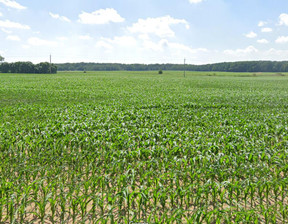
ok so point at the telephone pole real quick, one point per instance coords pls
(184, 68)
(50, 64)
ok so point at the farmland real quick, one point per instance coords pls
(114, 147)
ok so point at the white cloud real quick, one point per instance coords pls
(6, 31)
(103, 44)
(244, 51)
(12, 4)
(263, 41)
(25, 46)
(144, 36)
(262, 23)
(164, 50)
(9, 24)
(118, 47)
(281, 54)
(282, 40)
(62, 18)
(62, 38)
(195, 1)
(1, 14)
(185, 48)
(160, 26)
(283, 19)
(85, 37)
(101, 16)
(13, 38)
(266, 30)
(35, 41)
(164, 45)
(146, 44)
(150, 45)
(251, 35)
(130, 49)
(122, 41)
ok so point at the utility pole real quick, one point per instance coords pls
(50, 65)
(184, 68)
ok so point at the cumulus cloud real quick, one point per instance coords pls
(12, 4)
(14, 25)
(25, 46)
(282, 54)
(35, 41)
(283, 19)
(145, 44)
(13, 38)
(103, 44)
(160, 26)
(266, 30)
(263, 41)
(248, 50)
(262, 23)
(154, 46)
(195, 1)
(101, 16)
(144, 49)
(117, 44)
(62, 38)
(85, 37)
(121, 41)
(185, 48)
(6, 31)
(282, 40)
(62, 18)
(251, 35)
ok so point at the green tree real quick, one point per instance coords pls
(15, 67)
(43, 68)
(1, 58)
(26, 67)
(5, 67)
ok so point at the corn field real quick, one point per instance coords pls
(125, 147)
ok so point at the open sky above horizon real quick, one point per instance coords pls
(150, 31)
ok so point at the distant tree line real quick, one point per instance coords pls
(27, 67)
(242, 66)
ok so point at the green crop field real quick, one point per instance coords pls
(120, 147)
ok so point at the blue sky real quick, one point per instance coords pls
(138, 31)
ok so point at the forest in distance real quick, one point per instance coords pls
(241, 66)
(28, 67)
